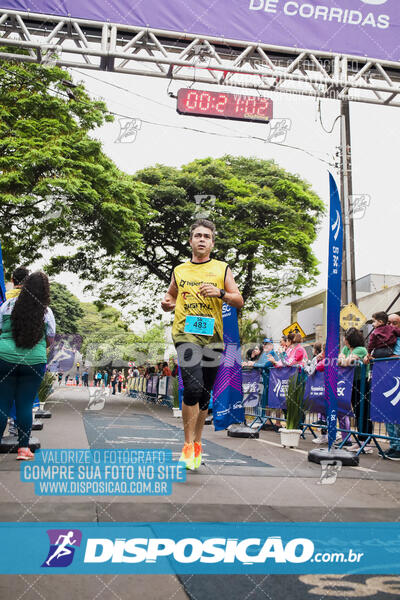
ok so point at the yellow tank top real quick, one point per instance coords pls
(13, 293)
(189, 277)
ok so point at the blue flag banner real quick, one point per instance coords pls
(278, 385)
(315, 391)
(194, 548)
(2, 282)
(385, 391)
(333, 308)
(227, 393)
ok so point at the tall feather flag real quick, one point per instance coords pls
(333, 308)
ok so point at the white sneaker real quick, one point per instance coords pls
(321, 439)
(355, 448)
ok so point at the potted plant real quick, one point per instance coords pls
(295, 406)
(177, 412)
(46, 388)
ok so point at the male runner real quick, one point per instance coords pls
(196, 292)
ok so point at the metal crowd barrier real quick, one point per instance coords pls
(155, 389)
(256, 388)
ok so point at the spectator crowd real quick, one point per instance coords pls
(383, 342)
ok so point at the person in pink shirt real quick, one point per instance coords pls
(295, 353)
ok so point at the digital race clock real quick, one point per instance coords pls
(224, 105)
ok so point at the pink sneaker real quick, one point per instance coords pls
(25, 454)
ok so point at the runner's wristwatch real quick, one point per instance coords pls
(222, 294)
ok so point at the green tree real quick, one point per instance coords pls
(266, 221)
(102, 330)
(56, 184)
(250, 330)
(66, 308)
(106, 337)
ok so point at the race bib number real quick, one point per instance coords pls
(199, 325)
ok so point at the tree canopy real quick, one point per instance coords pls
(67, 309)
(266, 221)
(124, 234)
(56, 184)
(105, 334)
(106, 337)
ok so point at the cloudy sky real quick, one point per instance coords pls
(375, 146)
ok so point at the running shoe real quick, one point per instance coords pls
(25, 454)
(321, 439)
(355, 448)
(187, 456)
(340, 443)
(12, 429)
(392, 454)
(197, 455)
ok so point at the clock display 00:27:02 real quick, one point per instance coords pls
(224, 105)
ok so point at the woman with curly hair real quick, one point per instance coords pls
(27, 327)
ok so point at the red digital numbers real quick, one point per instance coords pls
(191, 100)
(263, 107)
(218, 104)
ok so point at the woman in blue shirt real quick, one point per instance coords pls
(27, 326)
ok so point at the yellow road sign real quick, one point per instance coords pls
(351, 316)
(294, 328)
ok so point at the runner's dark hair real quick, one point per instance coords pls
(203, 223)
(27, 317)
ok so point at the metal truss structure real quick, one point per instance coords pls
(70, 42)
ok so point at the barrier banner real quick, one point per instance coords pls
(252, 387)
(2, 282)
(278, 384)
(62, 352)
(361, 27)
(162, 386)
(227, 393)
(334, 290)
(315, 391)
(385, 391)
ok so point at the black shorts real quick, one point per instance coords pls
(199, 367)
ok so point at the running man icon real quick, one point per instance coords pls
(62, 549)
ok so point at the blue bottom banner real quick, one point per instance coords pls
(195, 548)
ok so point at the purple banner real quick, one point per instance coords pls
(315, 392)
(252, 387)
(385, 391)
(62, 352)
(278, 385)
(358, 27)
(153, 388)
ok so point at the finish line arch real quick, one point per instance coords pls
(345, 53)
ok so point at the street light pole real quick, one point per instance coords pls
(346, 185)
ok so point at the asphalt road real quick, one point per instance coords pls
(241, 480)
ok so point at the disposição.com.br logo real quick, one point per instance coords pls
(62, 547)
